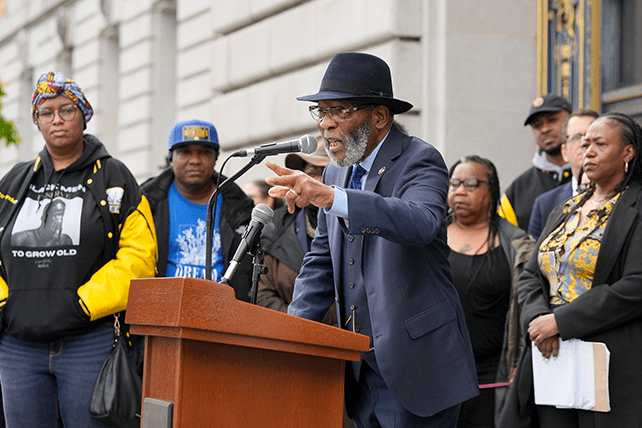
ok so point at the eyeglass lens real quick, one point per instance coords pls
(66, 113)
(337, 114)
(574, 137)
(470, 184)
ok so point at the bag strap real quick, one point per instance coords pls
(118, 332)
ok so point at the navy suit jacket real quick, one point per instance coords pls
(419, 335)
(543, 206)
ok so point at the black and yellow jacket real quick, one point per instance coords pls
(517, 203)
(68, 282)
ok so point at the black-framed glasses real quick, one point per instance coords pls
(470, 184)
(338, 114)
(66, 112)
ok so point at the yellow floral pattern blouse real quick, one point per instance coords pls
(568, 255)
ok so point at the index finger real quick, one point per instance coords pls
(284, 178)
(278, 169)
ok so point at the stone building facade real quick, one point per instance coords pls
(468, 66)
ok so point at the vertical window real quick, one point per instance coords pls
(630, 45)
(620, 59)
(621, 43)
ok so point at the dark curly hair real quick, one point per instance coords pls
(493, 184)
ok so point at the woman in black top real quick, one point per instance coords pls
(487, 255)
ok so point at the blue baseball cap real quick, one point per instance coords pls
(193, 132)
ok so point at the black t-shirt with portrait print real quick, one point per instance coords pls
(54, 245)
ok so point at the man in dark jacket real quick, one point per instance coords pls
(379, 254)
(546, 117)
(179, 197)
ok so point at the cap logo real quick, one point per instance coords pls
(196, 132)
(538, 102)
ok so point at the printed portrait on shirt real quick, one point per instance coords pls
(48, 223)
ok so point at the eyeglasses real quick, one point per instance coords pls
(470, 184)
(313, 171)
(66, 112)
(574, 137)
(338, 114)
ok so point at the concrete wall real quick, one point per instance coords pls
(468, 66)
(482, 81)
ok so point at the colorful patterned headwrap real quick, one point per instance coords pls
(55, 83)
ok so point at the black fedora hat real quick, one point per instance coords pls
(358, 76)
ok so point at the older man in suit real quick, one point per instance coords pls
(380, 252)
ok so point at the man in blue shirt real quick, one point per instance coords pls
(179, 197)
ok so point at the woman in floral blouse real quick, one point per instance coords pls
(585, 280)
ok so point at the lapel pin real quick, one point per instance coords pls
(381, 171)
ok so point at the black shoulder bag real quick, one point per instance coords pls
(118, 392)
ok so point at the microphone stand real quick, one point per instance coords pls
(209, 223)
(258, 269)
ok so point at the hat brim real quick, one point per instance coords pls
(199, 142)
(395, 105)
(550, 109)
(299, 161)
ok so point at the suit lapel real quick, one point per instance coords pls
(344, 177)
(616, 232)
(388, 152)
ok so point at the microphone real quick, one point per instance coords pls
(306, 144)
(261, 215)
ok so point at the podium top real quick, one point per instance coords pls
(199, 309)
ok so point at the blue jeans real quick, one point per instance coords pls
(35, 376)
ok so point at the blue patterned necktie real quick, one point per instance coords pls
(357, 173)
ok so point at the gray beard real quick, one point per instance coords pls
(355, 145)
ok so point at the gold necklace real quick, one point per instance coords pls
(599, 200)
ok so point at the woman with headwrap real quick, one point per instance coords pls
(61, 282)
(584, 281)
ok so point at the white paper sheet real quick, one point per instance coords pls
(569, 381)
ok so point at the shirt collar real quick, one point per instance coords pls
(574, 186)
(367, 162)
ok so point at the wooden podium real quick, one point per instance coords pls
(214, 361)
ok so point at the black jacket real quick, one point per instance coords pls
(279, 239)
(76, 283)
(610, 312)
(517, 203)
(236, 212)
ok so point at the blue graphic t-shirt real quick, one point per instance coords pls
(187, 238)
